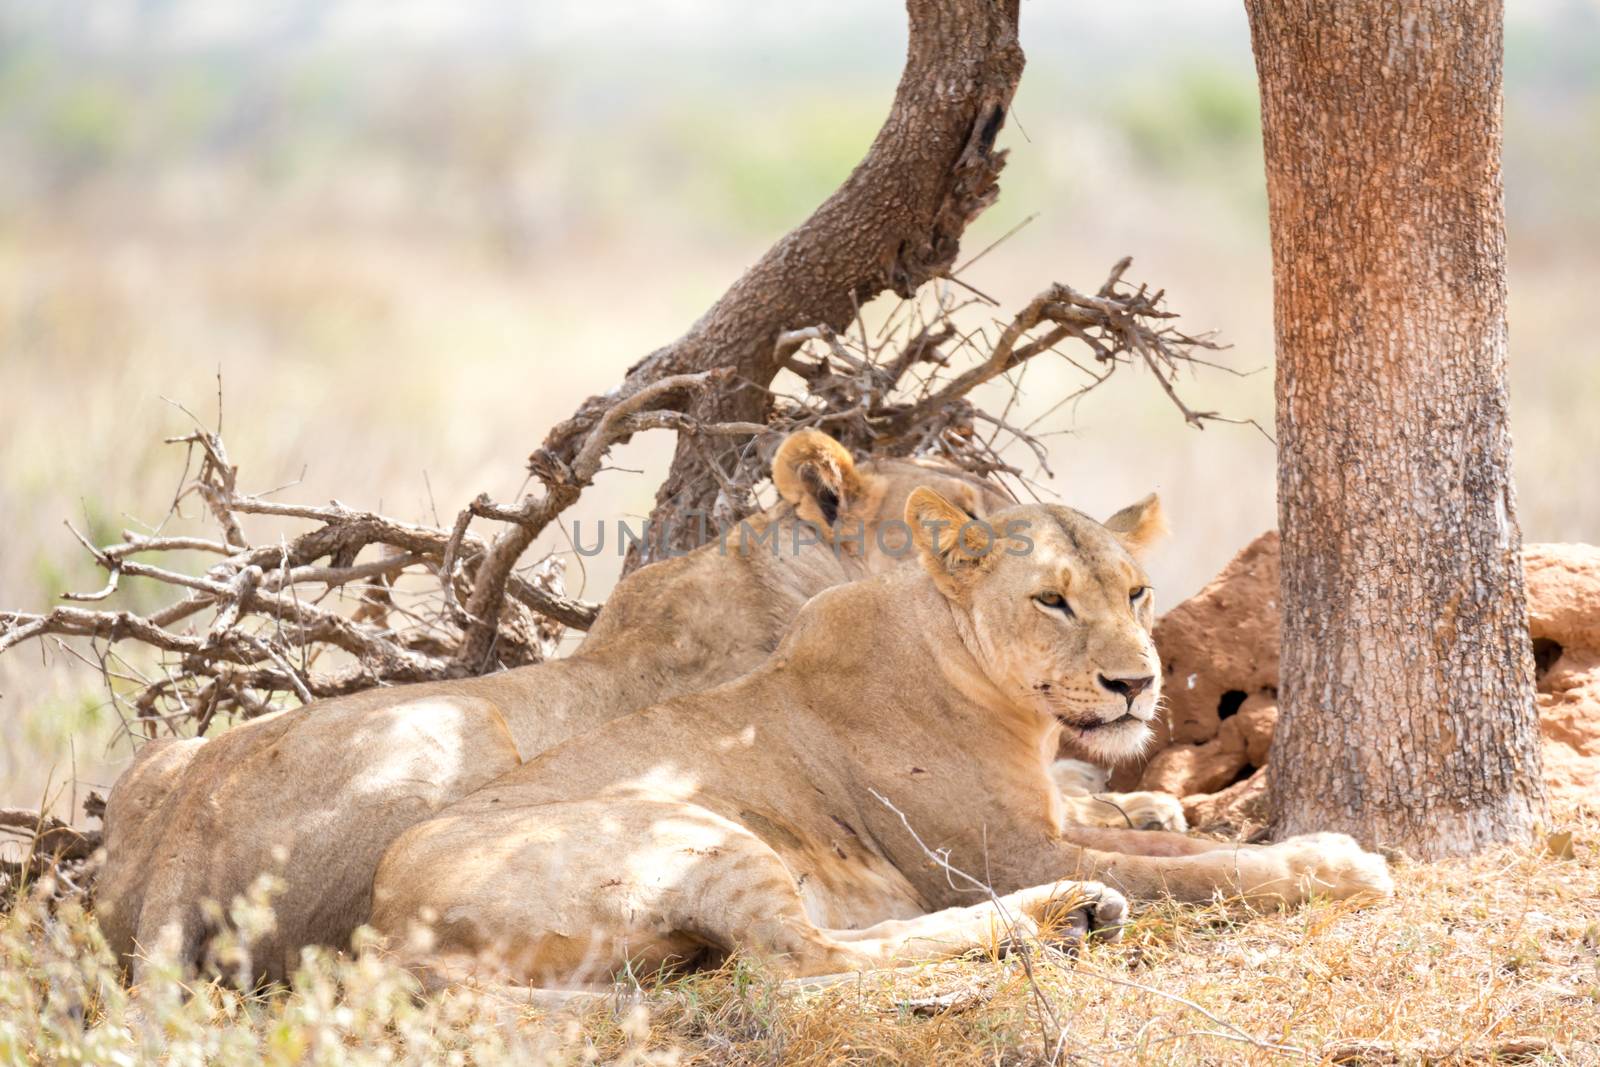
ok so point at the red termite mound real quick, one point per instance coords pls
(1219, 651)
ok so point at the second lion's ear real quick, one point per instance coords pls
(953, 545)
(1138, 526)
(817, 475)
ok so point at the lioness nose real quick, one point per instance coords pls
(1127, 688)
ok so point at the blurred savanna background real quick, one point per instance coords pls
(409, 237)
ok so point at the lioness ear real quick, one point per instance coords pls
(1138, 526)
(951, 542)
(815, 473)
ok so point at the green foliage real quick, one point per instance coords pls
(764, 171)
(50, 726)
(1193, 116)
(89, 125)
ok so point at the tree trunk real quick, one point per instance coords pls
(1407, 713)
(895, 223)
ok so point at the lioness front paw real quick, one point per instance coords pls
(1152, 811)
(1076, 910)
(1334, 865)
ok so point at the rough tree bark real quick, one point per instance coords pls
(1407, 713)
(895, 223)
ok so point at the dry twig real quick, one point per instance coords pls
(1024, 946)
(55, 859)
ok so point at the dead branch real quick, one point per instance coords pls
(271, 633)
(563, 484)
(908, 393)
(48, 835)
(1116, 326)
(56, 860)
(894, 224)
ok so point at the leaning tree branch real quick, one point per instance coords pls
(894, 224)
(563, 484)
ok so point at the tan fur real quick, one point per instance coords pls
(1139, 526)
(816, 474)
(330, 785)
(756, 816)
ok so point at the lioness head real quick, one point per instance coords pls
(1056, 609)
(858, 507)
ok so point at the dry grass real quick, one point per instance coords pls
(1484, 961)
(1468, 958)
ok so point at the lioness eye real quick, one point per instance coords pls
(1055, 602)
(1137, 594)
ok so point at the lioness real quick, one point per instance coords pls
(330, 785)
(757, 816)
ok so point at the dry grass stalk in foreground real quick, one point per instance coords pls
(1494, 960)
(359, 599)
(63, 856)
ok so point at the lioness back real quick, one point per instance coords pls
(314, 795)
(293, 794)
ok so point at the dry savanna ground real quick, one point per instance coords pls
(1492, 960)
